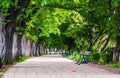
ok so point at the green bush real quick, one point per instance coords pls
(1, 76)
(107, 55)
(117, 65)
(101, 60)
(95, 56)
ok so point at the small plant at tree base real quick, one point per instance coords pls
(117, 65)
(20, 59)
(1, 76)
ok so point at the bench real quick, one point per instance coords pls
(84, 58)
(66, 54)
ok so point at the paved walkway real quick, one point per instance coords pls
(55, 67)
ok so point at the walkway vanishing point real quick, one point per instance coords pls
(55, 66)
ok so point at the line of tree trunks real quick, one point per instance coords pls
(37, 48)
(10, 28)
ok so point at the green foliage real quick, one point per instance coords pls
(1, 76)
(95, 57)
(42, 24)
(115, 3)
(107, 55)
(4, 5)
(20, 30)
(117, 65)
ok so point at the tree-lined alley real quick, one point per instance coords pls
(27, 25)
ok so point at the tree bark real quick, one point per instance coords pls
(14, 47)
(37, 48)
(9, 41)
(90, 42)
(39, 52)
(19, 37)
(36, 52)
(116, 51)
(41, 49)
(24, 45)
(31, 43)
(2, 38)
(44, 49)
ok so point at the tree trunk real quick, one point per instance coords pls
(45, 48)
(37, 48)
(33, 49)
(2, 38)
(14, 47)
(90, 47)
(90, 40)
(24, 45)
(19, 37)
(28, 48)
(90, 44)
(9, 35)
(41, 49)
(31, 43)
(9, 41)
(39, 52)
(36, 52)
(116, 51)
